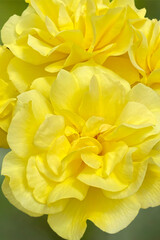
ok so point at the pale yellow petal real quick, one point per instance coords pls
(49, 130)
(40, 105)
(9, 195)
(94, 178)
(15, 168)
(43, 85)
(112, 17)
(70, 188)
(28, 111)
(111, 215)
(58, 150)
(21, 140)
(149, 193)
(22, 74)
(145, 95)
(43, 48)
(92, 160)
(70, 223)
(8, 32)
(41, 187)
(114, 155)
(64, 20)
(131, 115)
(64, 89)
(137, 179)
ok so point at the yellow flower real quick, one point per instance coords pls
(92, 152)
(142, 62)
(41, 44)
(145, 53)
(16, 77)
(7, 95)
(54, 34)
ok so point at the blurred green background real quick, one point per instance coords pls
(15, 225)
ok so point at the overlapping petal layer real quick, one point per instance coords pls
(16, 77)
(85, 143)
(92, 152)
(51, 35)
(141, 63)
(8, 95)
(58, 34)
(144, 52)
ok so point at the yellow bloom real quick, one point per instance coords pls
(91, 153)
(41, 44)
(142, 62)
(7, 95)
(16, 77)
(145, 53)
(58, 34)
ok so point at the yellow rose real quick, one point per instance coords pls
(145, 53)
(92, 152)
(7, 95)
(55, 34)
(17, 76)
(142, 62)
(41, 45)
